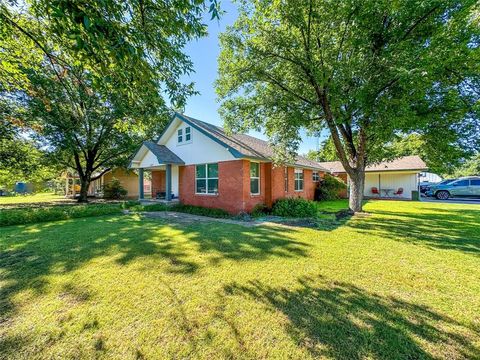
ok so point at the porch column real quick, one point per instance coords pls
(140, 184)
(168, 178)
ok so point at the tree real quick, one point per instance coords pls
(366, 70)
(93, 78)
(327, 151)
(20, 158)
(470, 167)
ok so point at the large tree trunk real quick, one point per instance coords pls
(357, 184)
(84, 184)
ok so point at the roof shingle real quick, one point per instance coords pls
(247, 145)
(402, 163)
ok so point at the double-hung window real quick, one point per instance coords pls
(315, 176)
(206, 179)
(188, 134)
(180, 136)
(298, 179)
(254, 178)
(286, 179)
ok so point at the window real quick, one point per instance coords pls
(188, 135)
(286, 179)
(315, 176)
(475, 182)
(461, 183)
(254, 178)
(206, 179)
(180, 135)
(298, 179)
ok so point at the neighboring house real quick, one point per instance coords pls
(128, 179)
(387, 177)
(200, 164)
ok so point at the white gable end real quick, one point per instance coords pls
(200, 149)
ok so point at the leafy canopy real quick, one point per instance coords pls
(367, 70)
(94, 78)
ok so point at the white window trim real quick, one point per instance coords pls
(190, 133)
(255, 177)
(298, 171)
(317, 176)
(206, 180)
(183, 134)
(180, 136)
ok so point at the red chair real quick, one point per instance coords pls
(399, 192)
(375, 191)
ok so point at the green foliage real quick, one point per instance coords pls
(20, 158)
(93, 86)
(114, 190)
(198, 210)
(260, 210)
(470, 167)
(327, 151)
(294, 207)
(329, 188)
(31, 215)
(441, 154)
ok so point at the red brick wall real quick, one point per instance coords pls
(278, 184)
(230, 187)
(158, 181)
(234, 186)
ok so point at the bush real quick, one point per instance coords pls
(260, 210)
(294, 207)
(41, 214)
(198, 210)
(114, 190)
(329, 188)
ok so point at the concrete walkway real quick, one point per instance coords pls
(185, 218)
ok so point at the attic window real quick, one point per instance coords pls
(180, 135)
(188, 134)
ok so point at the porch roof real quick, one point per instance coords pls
(161, 152)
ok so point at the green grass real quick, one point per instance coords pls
(402, 283)
(32, 199)
(331, 206)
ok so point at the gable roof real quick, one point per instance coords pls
(242, 145)
(400, 164)
(163, 154)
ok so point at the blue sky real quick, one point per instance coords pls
(204, 53)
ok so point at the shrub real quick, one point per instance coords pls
(114, 190)
(260, 210)
(294, 207)
(53, 213)
(198, 210)
(329, 188)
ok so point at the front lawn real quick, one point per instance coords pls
(402, 283)
(33, 199)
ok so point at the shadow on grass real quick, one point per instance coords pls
(448, 229)
(28, 254)
(342, 321)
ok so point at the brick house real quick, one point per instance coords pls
(199, 164)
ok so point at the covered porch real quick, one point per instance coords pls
(161, 165)
(391, 184)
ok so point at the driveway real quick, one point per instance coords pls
(452, 201)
